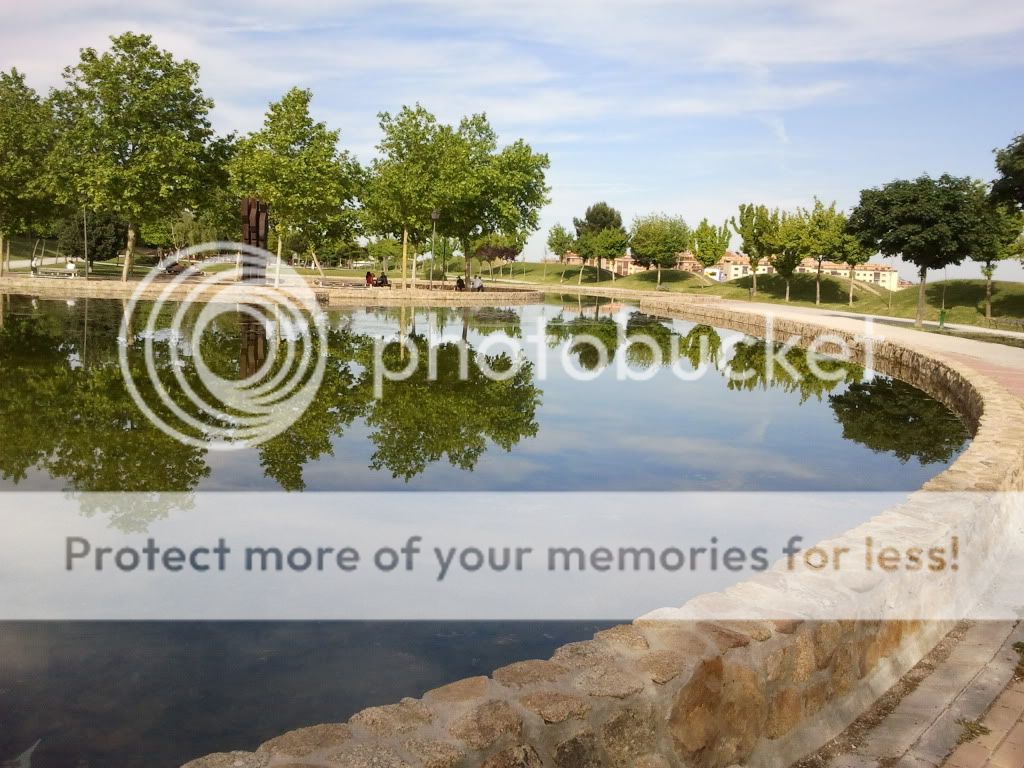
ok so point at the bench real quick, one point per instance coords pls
(55, 274)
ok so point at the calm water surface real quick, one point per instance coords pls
(141, 694)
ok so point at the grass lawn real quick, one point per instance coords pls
(964, 299)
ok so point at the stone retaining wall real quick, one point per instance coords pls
(347, 296)
(671, 690)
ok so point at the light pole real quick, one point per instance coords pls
(434, 215)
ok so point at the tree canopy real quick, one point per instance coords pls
(657, 240)
(26, 136)
(756, 225)
(710, 243)
(1009, 187)
(930, 223)
(134, 136)
(293, 164)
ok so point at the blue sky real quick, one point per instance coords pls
(684, 107)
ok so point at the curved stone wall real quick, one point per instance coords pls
(668, 690)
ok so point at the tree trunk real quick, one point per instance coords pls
(817, 285)
(1, 254)
(277, 267)
(129, 253)
(598, 279)
(988, 294)
(919, 320)
(583, 265)
(852, 273)
(753, 276)
(405, 253)
(787, 289)
(659, 275)
(316, 263)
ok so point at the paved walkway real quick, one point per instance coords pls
(926, 725)
(1003, 745)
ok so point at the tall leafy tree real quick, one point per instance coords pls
(756, 225)
(1005, 241)
(790, 245)
(560, 241)
(498, 246)
(851, 251)
(26, 135)
(930, 223)
(826, 228)
(598, 218)
(491, 190)
(134, 134)
(657, 240)
(603, 244)
(411, 177)
(1009, 187)
(293, 164)
(710, 243)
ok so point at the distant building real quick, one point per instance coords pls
(881, 275)
(733, 266)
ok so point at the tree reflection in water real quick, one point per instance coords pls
(67, 415)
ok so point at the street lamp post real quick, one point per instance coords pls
(434, 215)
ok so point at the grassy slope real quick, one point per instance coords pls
(964, 299)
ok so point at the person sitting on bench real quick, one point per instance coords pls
(460, 284)
(382, 282)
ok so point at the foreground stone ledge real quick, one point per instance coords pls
(673, 691)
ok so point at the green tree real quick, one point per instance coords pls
(489, 190)
(1009, 187)
(1005, 240)
(134, 134)
(826, 228)
(757, 227)
(598, 218)
(852, 252)
(710, 243)
(657, 240)
(412, 177)
(790, 245)
(560, 241)
(603, 244)
(387, 251)
(106, 236)
(930, 223)
(294, 165)
(499, 247)
(26, 135)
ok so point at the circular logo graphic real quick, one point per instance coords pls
(175, 313)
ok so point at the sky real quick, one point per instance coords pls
(687, 107)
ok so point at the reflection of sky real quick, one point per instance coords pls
(603, 434)
(660, 434)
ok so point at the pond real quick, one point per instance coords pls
(562, 417)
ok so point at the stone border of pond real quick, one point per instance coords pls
(345, 295)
